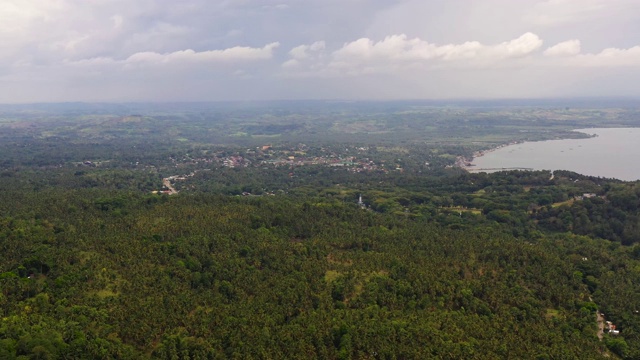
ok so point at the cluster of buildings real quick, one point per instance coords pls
(611, 328)
(235, 161)
(586, 196)
(350, 162)
(297, 155)
(232, 161)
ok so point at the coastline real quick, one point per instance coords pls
(599, 152)
(466, 163)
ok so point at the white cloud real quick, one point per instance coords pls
(303, 51)
(522, 46)
(611, 57)
(398, 51)
(400, 47)
(92, 62)
(18, 15)
(234, 54)
(565, 48)
(299, 52)
(291, 63)
(156, 43)
(18, 21)
(399, 55)
(466, 50)
(52, 30)
(231, 54)
(317, 46)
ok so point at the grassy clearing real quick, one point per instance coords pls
(461, 209)
(553, 314)
(331, 275)
(568, 203)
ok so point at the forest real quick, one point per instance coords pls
(265, 251)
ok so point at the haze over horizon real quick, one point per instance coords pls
(197, 50)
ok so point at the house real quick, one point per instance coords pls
(611, 327)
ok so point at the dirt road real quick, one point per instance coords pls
(600, 320)
(167, 183)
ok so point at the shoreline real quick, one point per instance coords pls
(465, 163)
(598, 152)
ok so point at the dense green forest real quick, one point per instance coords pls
(259, 255)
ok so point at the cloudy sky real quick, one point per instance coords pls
(202, 50)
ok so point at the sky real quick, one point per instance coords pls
(219, 50)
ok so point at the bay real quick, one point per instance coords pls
(612, 153)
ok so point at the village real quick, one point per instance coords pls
(268, 155)
(273, 156)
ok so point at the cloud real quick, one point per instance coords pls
(565, 48)
(401, 48)
(403, 56)
(18, 15)
(305, 53)
(522, 46)
(53, 31)
(611, 57)
(366, 56)
(230, 55)
(238, 53)
(568, 54)
(143, 48)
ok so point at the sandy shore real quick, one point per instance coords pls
(465, 163)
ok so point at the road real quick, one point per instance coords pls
(600, 320)
(167, 183)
